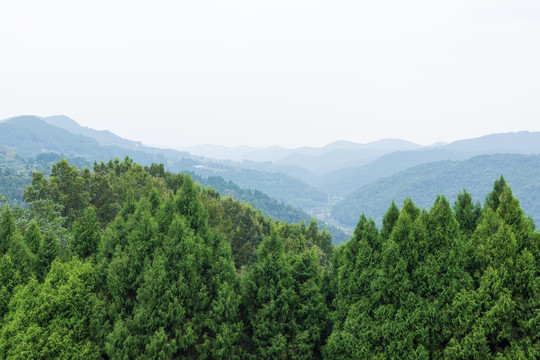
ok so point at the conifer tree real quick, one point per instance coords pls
(7, 229)
(492, 199)
(32, 237)
(175, 293)
(311, 313)
(86, 234)
(48, 251)
(389, 220)
(499, 317)
(9, 278)
(357, 271)
(467, 214)
(269, 301)
(23, 259)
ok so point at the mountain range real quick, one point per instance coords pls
(23, 139)
(422, 183)
(335, 182)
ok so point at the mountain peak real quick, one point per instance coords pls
(62, 121)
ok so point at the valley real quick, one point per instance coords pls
(333, 184)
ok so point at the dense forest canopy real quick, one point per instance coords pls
(130, 262)
(16, 175)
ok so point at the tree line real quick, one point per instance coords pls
(130, 262)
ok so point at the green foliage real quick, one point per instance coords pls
(16, 171)
(422, 183)
(9, 279)
(7, 229)
(446, 284)
(46, 214)
(467, 213)
(86, 234)
(32, 236)
(23, 259)
(389, 220)
(132, 262)
(66, 186)
(499, 317)
(48, 251)
(240, 224)
(171, 285)
(283, 306)
(52, 319)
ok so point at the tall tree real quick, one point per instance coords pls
(86, 234)
(467, 213)
(7, 229)
(269, 300)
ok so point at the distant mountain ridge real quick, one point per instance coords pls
(275, 153)
(342, 161)
(522, 142)
(423, 182)
(28, 136)
(311, 178)
(317, 160)
(107, 138)
(346, 180)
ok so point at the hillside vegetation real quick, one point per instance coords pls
(28, 136)
(345, 181)
(131, 262)
(293, 184)
(16, 175)
(424, 182)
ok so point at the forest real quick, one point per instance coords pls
(124, 261)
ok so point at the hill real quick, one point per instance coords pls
(348, 179)
(284, 188)
(135, 262)
(29, 143)
(107, 138)
(423, 182)
(345, 181)
(267, 205)
(28, 136)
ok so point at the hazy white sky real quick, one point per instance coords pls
(285, 72)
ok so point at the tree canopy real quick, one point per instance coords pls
(129, 262)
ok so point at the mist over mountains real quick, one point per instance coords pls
(334, 183)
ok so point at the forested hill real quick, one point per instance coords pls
(131, 262)
(290, 179)
(423, 182)
(28, 136)
(267, 205)
(345, 181)
(16, 171)
(16, 175)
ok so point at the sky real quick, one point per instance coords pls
(282, 72)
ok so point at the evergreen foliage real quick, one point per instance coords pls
(126, 262)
